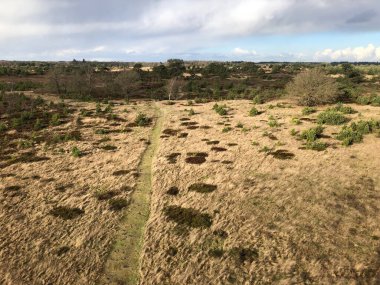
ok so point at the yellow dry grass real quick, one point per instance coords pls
(312, 219)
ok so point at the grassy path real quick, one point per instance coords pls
(123, 264)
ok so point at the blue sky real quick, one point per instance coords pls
(155, 30)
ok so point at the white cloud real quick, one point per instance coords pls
(243, 52)
(364, 53)
(73, 51)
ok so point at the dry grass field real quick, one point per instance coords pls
(269, 211)
(244, 197)
(58, 216)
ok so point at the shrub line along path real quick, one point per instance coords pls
(123, 263)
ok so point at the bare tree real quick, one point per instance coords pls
(126, 81)
(313, 87)
(172, 87)
(56, 79)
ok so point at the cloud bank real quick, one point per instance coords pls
(127, 29)
(364, 53)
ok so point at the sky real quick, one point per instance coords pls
(156, 30)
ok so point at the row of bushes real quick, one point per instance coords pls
(20, 86)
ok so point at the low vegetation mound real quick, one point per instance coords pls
(343, 109)
(254, 112)
(312, 134)
(354, 133)
(142, 120)
(202, 188)
(173, 191)
(66, 213)
(188, 216)
(331, 117)
(373, 100)
(282, 154)
(196, 158)
(117, 204)
(308, 111)
(312, 137)
(220, 109)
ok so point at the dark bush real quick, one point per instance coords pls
(187, 216)
(202, 188)
(282, 154)
(142, 120)
(105, 195)
(66, 213)
(117, 204)
(242, 255)
(173, 191)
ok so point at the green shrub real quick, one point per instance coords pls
(254, 112)
(343, 109)
(296, 121)
(355, 132)
(273, 123)
(38, 125)
(220, 109)
(55, 120)
(226, 129)
(191, 112)
(258, 100)
(85, 113)
(330, 117)
(373, 100)
(3, 127)
(312, 134)
(16, 123)
(23, 144)
(188, 216)
(98, 109)
(142, 120)
(76, 152)
(376, 101)
(308, 111)
(70, 136)
(265, 149)
(316, 145)
(108, 109)
(364, 100)
(293, 132)
(240, 125)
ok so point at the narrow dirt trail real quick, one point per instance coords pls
(123, 264)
